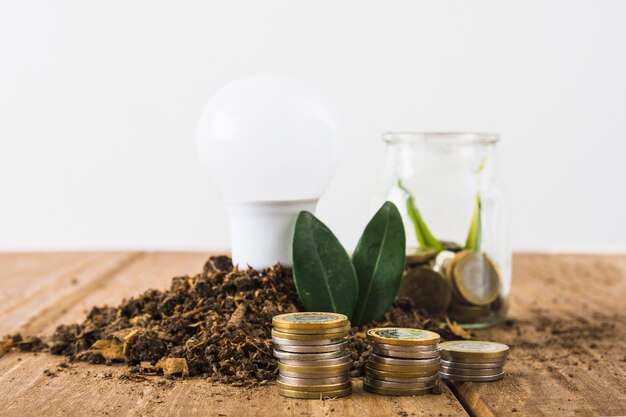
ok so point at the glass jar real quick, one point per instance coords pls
(447, 187)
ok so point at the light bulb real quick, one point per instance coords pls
(271, 147)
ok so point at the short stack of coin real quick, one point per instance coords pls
(470, 360)
(312, 362)
(402, 362)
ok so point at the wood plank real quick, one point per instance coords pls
(34, 293)
(84, 389)
(567, 339)
(97, 390)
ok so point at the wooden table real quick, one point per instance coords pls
(567, 332)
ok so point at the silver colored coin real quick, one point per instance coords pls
(403, 362)
(289, 342)
(405, 354)
(472, 365)
(313, 381)
(420, 380)
(279, 354)
(475, 378)
(472, 372)
(451, 358)
(321, 362)
(300, 375)
(427, 348)
(400, 385)
(335, 347)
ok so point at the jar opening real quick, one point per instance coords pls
(441, 137)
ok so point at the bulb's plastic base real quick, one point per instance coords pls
(262, 231)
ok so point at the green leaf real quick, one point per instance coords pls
(474, 236)
(323, 273)
(379, 263)
(424, 237)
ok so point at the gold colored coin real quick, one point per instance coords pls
(427, 289)
(345, 358)
(393, 391)
(315, 395)
(475, 278)
(451, 246)
(327, 369)
(330, 332)
(374, 357)
(419, 256)
(307, 337)
(475, 378)
(473, 349)
(468, 314)
(378, 374)
(403, 336)
(344, 378)
(308, 320)
(411, 369)
(400, 385)
(472, 372)
(314, 388)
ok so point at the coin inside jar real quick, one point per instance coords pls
(419, 256)
(475, 278)
(427, 289)
(403, 336)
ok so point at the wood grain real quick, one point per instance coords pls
(72, 283)
(567, 333)
(568, 340)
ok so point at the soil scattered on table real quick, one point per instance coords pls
(216, 324)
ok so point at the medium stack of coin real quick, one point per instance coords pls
(402, 362)
(470, 360)
(312, 362)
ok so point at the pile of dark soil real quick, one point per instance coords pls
(215, 324)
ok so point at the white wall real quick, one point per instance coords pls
(99, 102)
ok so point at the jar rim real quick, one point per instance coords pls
(441, 137)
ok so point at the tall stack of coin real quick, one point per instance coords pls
(402, 362)
(312, 362)
(470, 360)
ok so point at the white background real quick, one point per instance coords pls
(99, 103)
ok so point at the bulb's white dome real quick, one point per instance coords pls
(268, 138)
